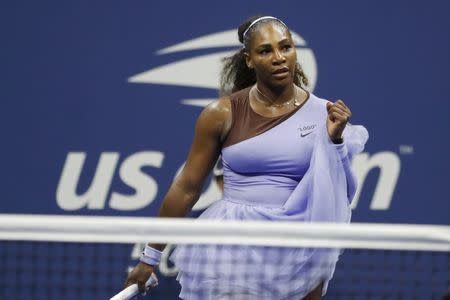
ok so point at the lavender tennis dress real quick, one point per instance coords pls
(279, 169)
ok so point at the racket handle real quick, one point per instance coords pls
(133, 290)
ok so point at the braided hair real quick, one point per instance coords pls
(235, 72)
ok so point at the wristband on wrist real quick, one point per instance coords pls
(150, 256)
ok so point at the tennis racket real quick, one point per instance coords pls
(133, 290)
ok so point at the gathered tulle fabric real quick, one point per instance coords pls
(323, 194)
(248, 272)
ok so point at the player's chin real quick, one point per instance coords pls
(281, 81)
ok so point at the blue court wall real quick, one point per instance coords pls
(99, 98)
(115, 88)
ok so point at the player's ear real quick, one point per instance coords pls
(248, 60)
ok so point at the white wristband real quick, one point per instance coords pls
(150, 256)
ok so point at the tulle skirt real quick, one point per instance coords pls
(250, 272)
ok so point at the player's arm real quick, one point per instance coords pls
(211, 128)
(338, 116)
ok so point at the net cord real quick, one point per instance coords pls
(184, 231)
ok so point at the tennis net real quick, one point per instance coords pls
(87, 257)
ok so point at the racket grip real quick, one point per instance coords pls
(132, 290)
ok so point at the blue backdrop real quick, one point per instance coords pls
(99, 98)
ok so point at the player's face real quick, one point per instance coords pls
(272, 55)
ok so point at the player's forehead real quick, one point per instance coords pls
(270, 33)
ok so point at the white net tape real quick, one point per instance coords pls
(180, 231)
(86, 257)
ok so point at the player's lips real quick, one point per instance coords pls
(281, 70)
(281, 73)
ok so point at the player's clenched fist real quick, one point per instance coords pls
(338, 116)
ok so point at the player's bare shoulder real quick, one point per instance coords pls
(217, 117)
(220, 108)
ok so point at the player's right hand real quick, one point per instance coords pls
(139, 275)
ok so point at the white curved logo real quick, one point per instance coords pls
(203, 71)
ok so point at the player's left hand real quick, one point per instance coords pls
(338, 116)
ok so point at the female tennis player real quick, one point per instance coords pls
(282, 150)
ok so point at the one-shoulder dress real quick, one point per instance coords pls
(278, 169)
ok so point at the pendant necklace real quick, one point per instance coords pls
(293, 100)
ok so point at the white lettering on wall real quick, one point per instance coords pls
(145, 186)
(95, 196)
(389, 165)
(130, 173)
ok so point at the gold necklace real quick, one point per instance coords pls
(293, 100)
